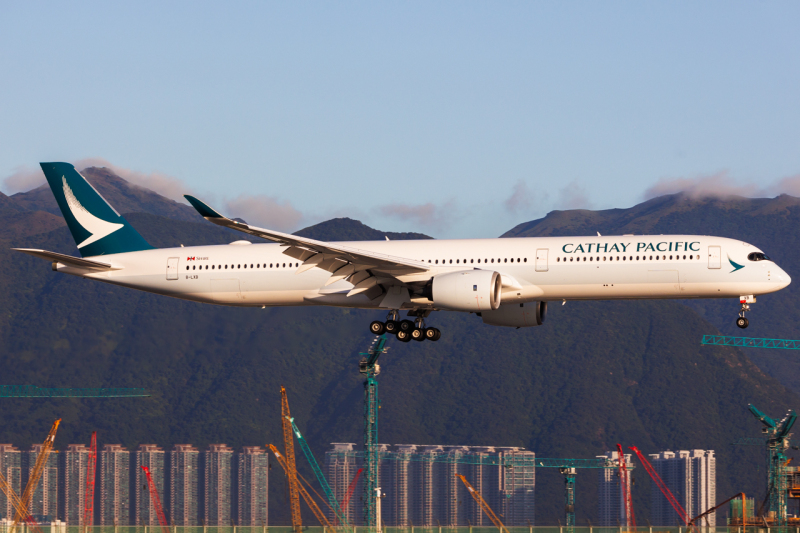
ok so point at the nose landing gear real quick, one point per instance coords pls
(405, 330)
(742, 321)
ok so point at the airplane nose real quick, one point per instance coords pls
(783, 278)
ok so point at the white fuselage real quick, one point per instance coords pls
(545, 268)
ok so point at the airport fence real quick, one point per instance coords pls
(62, 528)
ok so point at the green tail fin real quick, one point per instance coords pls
(96, 226)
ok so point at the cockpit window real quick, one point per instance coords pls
(758, 256)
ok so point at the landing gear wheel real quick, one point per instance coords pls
(742, 322)
(377, 327)
(432, 334)
(391, 326)
(403, 336)
(418, 334)
(407, 326)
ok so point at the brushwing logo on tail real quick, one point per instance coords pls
(98, 227)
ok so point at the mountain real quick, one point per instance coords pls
(347, 229)
(124, 196)
(772, 224)
(596, 373)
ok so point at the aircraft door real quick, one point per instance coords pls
(541, 260)
(714, 257)
(172, 268)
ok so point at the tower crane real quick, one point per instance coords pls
(484, 506)
(291, 471)
(777, 441)
(156, 501)
(88, 496)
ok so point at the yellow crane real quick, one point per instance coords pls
(41, 461)
(21, 504)
(485, 506)
(302, 491)
(291, 472)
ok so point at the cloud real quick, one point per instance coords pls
(788, 185)
(712, 185)
(23, 179)
(521, 198)
(163, 184)
(27, 178)
(573, 196)
(264, 211)
(426, 215)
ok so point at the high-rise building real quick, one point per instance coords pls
(43, 504)
(610, 500)
(184, 485)
(421, 488)
(218, 491)
(73, 484)
(692, 478)
(253, 485)
(115, 468)
(11, 468)
(152, 457)
(341, 466)
(518, 486)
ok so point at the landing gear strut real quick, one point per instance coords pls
(405, 330)
(742, 322)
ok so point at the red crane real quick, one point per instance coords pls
(663, 486)
(630, 519)
(156, 501)
(88, 496)
(350, 490)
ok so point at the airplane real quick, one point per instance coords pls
(506, 282)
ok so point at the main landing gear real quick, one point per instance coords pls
(405, 330)
(742, 322)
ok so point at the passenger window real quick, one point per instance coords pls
(471, 261)
(187, 267)
(284, 265)
(457, 260)
(623, 258)
(604, 258)
(558, 259)
(525, 260)
(670, 258)
(591, 258)
(245, 265)
(437, 261)
(505, 260)
(492, 259)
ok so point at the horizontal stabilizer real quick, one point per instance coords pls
(68, 260)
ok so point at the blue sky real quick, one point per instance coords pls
(457, 119)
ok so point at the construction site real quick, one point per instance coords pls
(370, 486)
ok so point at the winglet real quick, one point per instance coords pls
(203, 209)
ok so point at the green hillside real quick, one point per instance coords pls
(773, 224)
(595, 374)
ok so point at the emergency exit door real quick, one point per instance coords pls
(714, 257)
(172, 268)
(541, 260)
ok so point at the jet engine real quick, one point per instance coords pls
(516, 315)
(470, 290)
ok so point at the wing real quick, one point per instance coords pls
(366, 270)
(67, 260)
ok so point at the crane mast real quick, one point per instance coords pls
(88, 496)
(36, 474)
(484, 506)
(291, 471)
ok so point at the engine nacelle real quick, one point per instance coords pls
(471, 290)
(517, 315)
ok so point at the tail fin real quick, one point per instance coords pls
(96, 226)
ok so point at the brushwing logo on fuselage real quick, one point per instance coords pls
(98, 227)
(736, 266)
